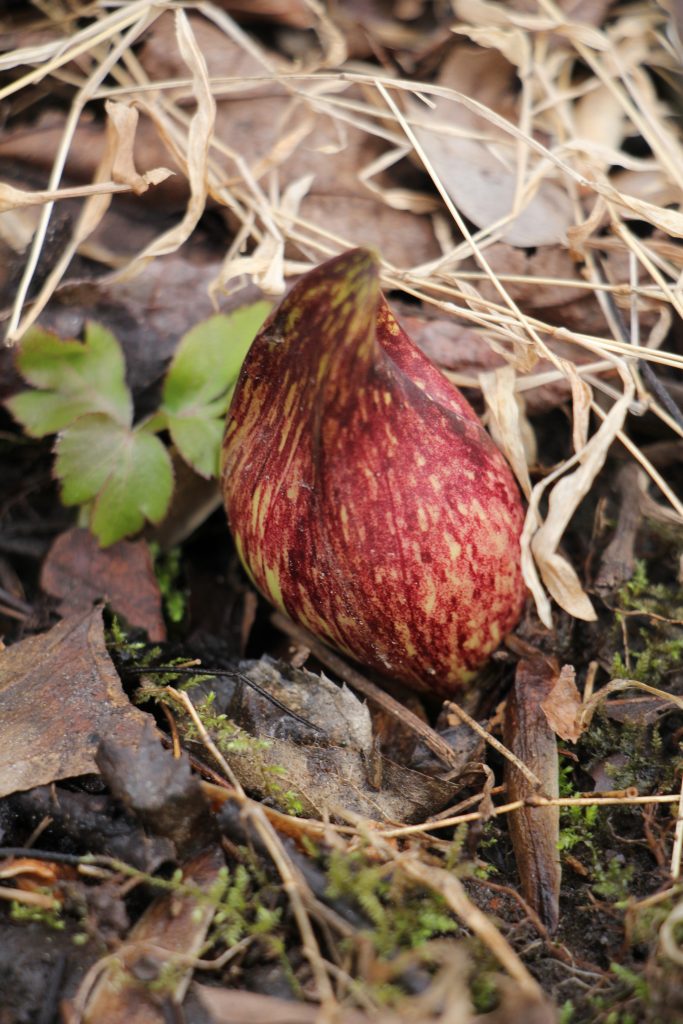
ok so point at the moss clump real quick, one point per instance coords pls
(655, 649)
(167, 569)
(403, 915)
(633, 754)
(50, 917)
(577, 824)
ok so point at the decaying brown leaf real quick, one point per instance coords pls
(333, 766)
(92, 822)
(79, 572)
(59, 692)
(508, 424)
(534, 830)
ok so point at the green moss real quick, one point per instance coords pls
(484, 990)
(614, 882)
(578, 823)
(567, 1012)
(655, 649)
(117, 639)
(167, 569)
(634, 982)
(226, 734)
(642, 759)
(403, 915)
(51, 917)
(287, 799)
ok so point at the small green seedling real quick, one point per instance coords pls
(118, 471)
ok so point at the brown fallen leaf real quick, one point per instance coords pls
(466, 352)
(453, 137)
(452, 344)
(59, 692)
(537, 274)
(403, 238)
(562, 706)
(169, 934)
(534, 830)
(79, 572)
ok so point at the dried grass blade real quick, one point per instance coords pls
(198, 143)
(507, 420)
(94, 208)
(565, 497)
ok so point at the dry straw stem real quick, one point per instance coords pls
(568, 134)
(668, 935)
(460, 713)
(584, 717)
(15, 198)
(677, 852)
(535, 801)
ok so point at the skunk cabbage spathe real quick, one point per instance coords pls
(365, 498)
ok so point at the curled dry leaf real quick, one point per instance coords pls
(543, 538)
(534, 830)
(582, 396)
(197, 153)
(122, 123)
(562, 706)
(508, 424)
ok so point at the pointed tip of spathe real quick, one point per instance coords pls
(363, 260)
(351, 278)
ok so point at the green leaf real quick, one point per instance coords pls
(46, 412)
(209, 357)
(199, 442)
(72, 379)
(196, 390)
(127, 472)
